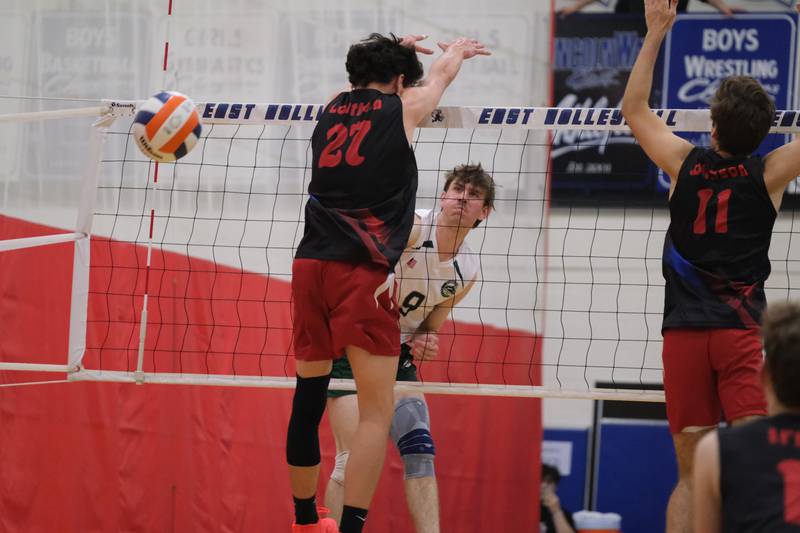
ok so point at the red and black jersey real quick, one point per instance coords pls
(715, 259)
(760, 476)
(363, 181)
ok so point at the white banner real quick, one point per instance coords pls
(531, 118)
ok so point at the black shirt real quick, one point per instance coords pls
(715, 259)
(760, 476)
(546, 519)
(363, 181)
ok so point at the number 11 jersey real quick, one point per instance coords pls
(715, 259)
(363, 182)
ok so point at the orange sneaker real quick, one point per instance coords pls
(324, 525)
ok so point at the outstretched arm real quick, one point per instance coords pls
(663, 147)
(781, 167)
(418, 102)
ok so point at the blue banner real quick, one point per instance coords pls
(702, 50)
(593, 57)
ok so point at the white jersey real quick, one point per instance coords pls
(425, 281)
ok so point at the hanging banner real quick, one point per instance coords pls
(593, 57)
(702, 50)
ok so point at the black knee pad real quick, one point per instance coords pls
(308, 406)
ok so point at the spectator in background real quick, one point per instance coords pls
(552, 518)
(637, 6)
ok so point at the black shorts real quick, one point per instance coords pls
(406, 370)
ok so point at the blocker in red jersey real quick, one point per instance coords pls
(167, 126)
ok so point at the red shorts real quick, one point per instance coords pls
(710, 372)
(337, 304)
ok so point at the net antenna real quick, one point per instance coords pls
(188, 281)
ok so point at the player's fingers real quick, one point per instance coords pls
(418, 345)
(423, 50)
(432, 349)
(411, 40)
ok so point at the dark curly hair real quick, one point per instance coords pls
(379, 59)
(743, 113)
(550, 474)
(781, 332)
(474, 175)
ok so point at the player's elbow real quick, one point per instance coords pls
(628, 110)
(633, 112)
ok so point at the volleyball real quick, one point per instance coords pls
(166, 126)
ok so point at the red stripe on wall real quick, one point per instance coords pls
(117, 457)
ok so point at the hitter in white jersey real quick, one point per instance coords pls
(435, 272)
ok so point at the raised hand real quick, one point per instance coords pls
(549, 497)
(411, 40)
(660, 14)
(469, 47)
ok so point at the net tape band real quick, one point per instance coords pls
(468, 389)
(531, 118)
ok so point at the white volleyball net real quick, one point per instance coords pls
(181, 271)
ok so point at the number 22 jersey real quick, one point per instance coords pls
(715, 259)
(363, 182)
